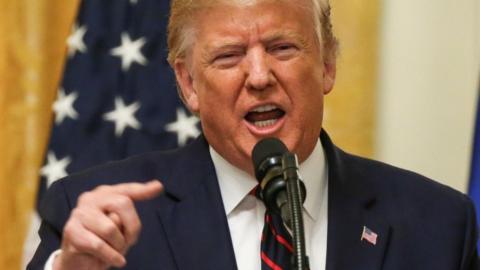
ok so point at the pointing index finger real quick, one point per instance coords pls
(140, 191)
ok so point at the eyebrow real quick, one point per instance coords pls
(216, 47)
(233, 43)
(284, 34)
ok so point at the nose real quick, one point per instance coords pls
(259, 75)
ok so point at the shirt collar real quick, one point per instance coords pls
(314, 174)
(235, 184)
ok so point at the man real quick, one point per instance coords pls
(252, 69)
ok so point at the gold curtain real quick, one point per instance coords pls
(350, 107)
(32, 50)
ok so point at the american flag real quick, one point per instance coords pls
(118, 95)
(369, 236)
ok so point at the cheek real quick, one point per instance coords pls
(219, 90)
(305, 90)
(304, 84)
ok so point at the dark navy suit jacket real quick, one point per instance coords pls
(420, 224)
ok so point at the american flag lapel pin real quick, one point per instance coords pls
(369, 236)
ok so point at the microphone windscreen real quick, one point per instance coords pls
(264, 149)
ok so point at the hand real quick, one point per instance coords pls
(103, 226)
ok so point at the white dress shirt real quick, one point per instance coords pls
(245, 213)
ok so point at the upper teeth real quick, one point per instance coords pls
(264, 108)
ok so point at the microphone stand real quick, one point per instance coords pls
(295, 202)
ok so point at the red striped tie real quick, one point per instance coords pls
(276, 247)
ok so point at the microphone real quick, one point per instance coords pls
(282, 191)
(267, 156)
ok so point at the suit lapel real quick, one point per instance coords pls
(352, 206)
(193, 216)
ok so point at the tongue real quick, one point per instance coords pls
(262, 116)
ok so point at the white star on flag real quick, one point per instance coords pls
(185, 127)
(54, 169)
(123, 116)
(133, 2)
(129, 51)
(75, 40)
(63, 106)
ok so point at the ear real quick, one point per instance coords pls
(185, 83)
(329, 75)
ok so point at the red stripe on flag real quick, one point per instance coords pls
(269, 262)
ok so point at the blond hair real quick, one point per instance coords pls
(181, 33)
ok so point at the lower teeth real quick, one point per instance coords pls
(265, 123)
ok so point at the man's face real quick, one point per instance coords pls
(254, 72)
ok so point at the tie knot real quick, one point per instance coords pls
(257, 192)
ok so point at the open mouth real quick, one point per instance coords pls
(264, 116)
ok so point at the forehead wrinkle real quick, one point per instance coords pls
(223, 36)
